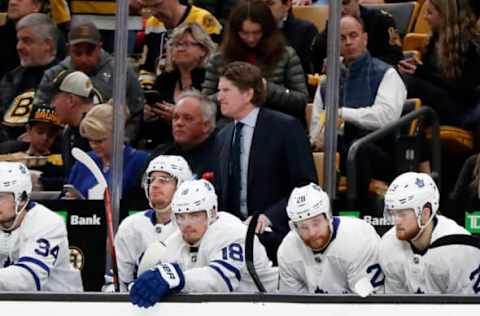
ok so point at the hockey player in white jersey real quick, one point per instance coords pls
(206, 254)
(326, 254)
(136, 232)
(415, 254)
(34, 252)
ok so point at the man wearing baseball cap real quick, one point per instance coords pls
(72, 100)
(86, 55)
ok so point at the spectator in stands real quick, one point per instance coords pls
(291, 27)
(97, 127)
(17, 9)
(73, 98)
(252, 36)
(447, 77)
(86, 55)
(384, 41)
(37, 40)
(262, 156)
(189, 50)
(59, 10)
(167, 15)
(372, 96)
(193, 129)
(39, 154)
(102, 14)
(220, 8)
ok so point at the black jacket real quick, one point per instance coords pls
(8, 54)
(300, 34)
(71, 138)
(200, 158)
(464, 90)
(14, 83)
(280, 160)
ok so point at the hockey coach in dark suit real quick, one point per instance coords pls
(262, 155)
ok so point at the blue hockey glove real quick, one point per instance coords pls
(155, 284)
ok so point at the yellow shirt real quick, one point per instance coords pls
(195, 15)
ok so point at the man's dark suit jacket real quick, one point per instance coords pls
(280, 160)
(300, 34)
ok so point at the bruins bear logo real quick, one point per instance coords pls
(19, 110)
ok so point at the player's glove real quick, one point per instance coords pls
(155, 284)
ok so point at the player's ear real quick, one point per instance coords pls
(426, 213)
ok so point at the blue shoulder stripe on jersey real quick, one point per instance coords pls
(228, 266)
(34, 275)
(335, 224)
(37, 262)
(30, 205)
(230, 288)
(151, 215)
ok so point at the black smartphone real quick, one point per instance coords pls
(152, 97)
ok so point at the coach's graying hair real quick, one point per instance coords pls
(43, 26)
(208, 108)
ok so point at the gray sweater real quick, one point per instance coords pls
(102, 81)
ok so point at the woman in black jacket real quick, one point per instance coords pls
(447, 77)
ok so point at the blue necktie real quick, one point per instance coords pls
(235, 178)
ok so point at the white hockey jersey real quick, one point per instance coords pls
(451, 269)
(36, 256)
(351, 256)
(134, 235)
(218, 263)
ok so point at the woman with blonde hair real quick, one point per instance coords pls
(97, 128)
(447, 76)
(188, 51)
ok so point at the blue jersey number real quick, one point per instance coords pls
(378, 278)
(476, 274)
(43, 249)
(234, 252)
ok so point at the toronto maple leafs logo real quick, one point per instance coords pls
(22, 169)
(207, 186)
(420, 183)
